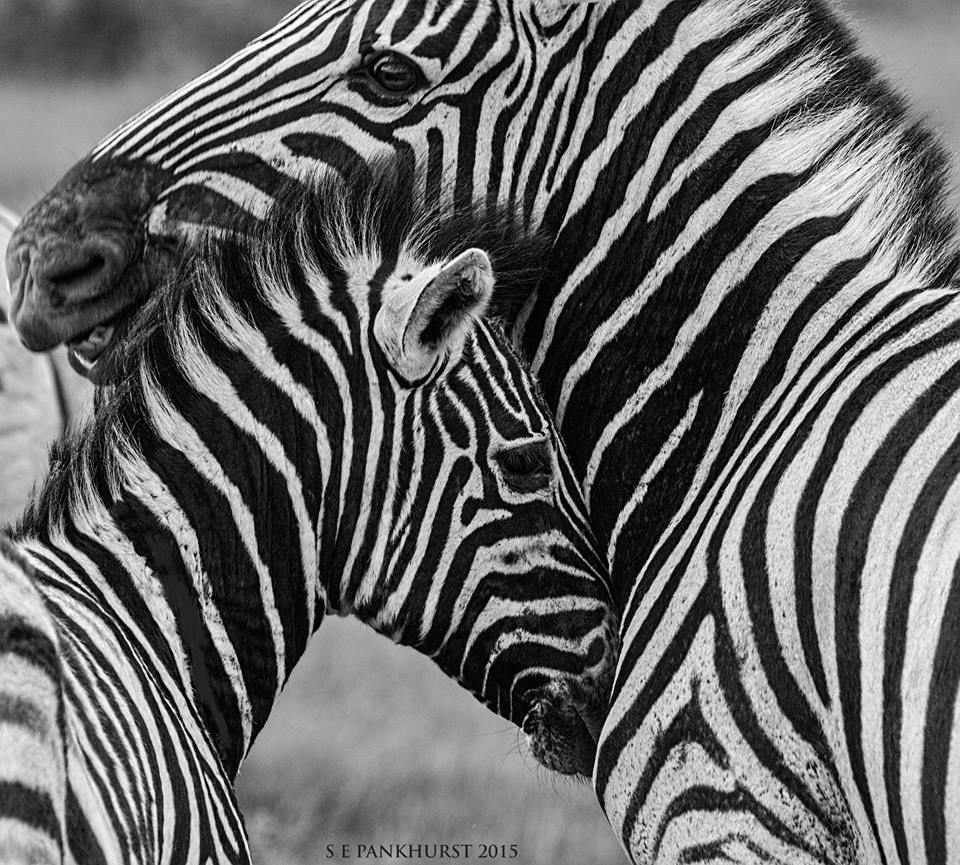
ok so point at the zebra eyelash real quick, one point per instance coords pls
(372, 74)
(526, 467)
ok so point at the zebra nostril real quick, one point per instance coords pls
(78, 272)
(75, 273)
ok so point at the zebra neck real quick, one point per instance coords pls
(759, 184)
(196, 536)
(185, 637)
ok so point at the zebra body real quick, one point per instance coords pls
(733, 194)
(802, 613)
(122, 767)
(33, 739)
(324, 426)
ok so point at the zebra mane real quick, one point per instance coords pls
(312, 230)
(378, 210)
(890, 137)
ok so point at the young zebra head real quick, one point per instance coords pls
(328, 425)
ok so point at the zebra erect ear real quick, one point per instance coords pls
(427, 317)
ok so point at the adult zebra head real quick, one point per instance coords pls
(460, 89)
(327, 425)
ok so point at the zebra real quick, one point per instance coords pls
(733, 195)
(322, 426)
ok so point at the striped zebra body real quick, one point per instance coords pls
(742, 212)
(33, 739)
(787, 686)
(136, 776)
(325, 426)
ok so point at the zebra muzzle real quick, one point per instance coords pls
(567, 715)
(563, 726)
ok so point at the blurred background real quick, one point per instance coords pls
(370, 744)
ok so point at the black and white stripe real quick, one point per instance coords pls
(323, 426)
(751, 289)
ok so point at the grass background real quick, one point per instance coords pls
(370, 743)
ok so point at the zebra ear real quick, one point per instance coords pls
(428, 317)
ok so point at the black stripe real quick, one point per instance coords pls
(20, 637)
(20, 712)
(31, 807)
(81, 839)
(940, 723)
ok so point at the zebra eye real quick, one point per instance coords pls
(394, 72)
(526, 468)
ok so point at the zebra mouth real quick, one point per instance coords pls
(88, 352)
(563, 726)
(88, 349)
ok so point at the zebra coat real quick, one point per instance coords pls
(324, 426)
(734, 195)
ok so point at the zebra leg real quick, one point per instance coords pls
(32, 743)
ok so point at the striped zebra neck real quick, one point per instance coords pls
(154, 507)
(762, 181)
(151, 519)
(771, 301)
(214, 419)
(799, 606)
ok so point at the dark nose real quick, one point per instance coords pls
(79, 271)
(52, 277)
(76, 258)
